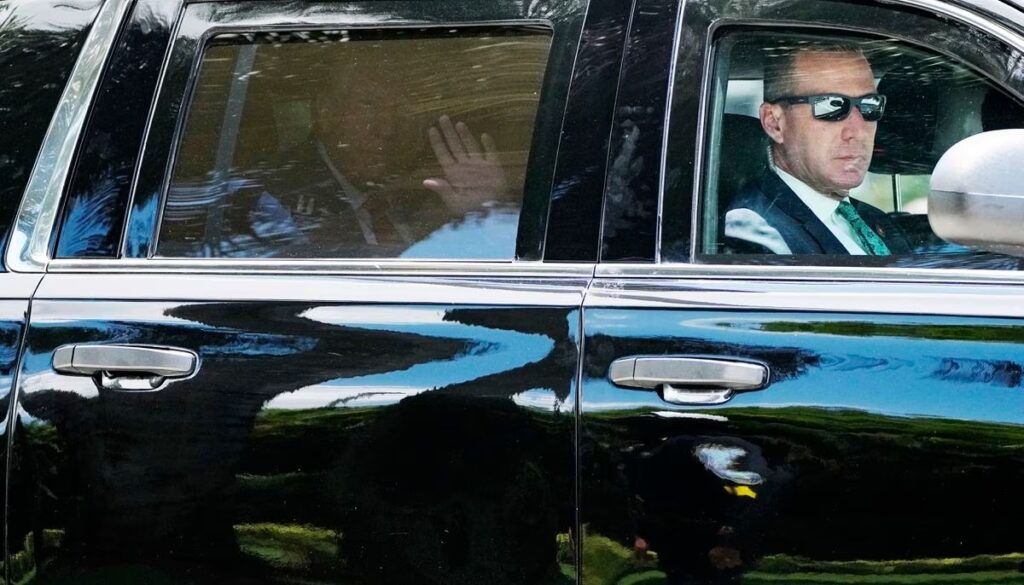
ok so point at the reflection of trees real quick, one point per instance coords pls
(840, 485)
(968, 371)
(132, 476)
(36, 58)
(1006, 332)
(10, 335)
(454, 489)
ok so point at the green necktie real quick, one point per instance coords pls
(869, 239)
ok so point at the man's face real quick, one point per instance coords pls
(831, 157)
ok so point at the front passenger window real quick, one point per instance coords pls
(821, 146)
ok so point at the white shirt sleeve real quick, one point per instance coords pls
(745, 224)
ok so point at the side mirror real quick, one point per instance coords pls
(977, 193)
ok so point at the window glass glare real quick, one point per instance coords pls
(355, 143)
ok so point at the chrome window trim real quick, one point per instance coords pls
(28, 248)
(382, 267)
(965, 16)
(939, 8)
(793, 296)
(319, 288)
(680, 22)
(809, 273)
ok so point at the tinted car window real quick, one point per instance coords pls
(352, 143)
(821, 146)
(39, 41)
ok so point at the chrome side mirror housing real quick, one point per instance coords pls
(977, 193)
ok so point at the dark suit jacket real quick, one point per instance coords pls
(770, 197)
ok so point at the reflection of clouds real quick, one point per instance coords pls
(722, 460)
(54, 16)
(690, 415)
(539, 399)
(321, 396)
(88, 314)
(82, 386)
(489, 351)
(374, 317)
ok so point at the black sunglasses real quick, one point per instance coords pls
(833, 107)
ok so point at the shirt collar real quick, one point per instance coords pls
(823, 206)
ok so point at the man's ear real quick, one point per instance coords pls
(773, 121)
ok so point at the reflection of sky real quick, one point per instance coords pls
(492, 351)
(884, 374)
(492, 237)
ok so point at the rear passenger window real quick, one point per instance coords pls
(356, 144)
(820, 149)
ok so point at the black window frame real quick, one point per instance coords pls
(688, 125)
(105, 167)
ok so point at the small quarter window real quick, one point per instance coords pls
(401, 143)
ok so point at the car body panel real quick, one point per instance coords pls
(881, 440)
(369, 441)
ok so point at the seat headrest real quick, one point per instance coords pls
(742, 155)
(905, 140)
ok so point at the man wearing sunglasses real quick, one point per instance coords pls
(820, 113)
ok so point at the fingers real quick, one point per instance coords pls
(441, 187)
(468, 140)
(455, 141)
(451, 137)
(490, 148)
(444, 156)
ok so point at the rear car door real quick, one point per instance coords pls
(770, 418)
(39, 43)
(299, 321)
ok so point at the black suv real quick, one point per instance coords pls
(443, 292)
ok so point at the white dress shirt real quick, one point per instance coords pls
(824, 208)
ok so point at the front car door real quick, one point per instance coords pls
(765, 418)
(248, 363)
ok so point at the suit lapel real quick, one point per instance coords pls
(787, 202)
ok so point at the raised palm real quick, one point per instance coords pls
(472, 172)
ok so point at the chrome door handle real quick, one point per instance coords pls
(125, 367)
(689, 380)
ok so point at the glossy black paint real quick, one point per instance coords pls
(330, 443)
(703, 20)
(96, 204)
(634, 159)
(576, 204)
(198, 21)
(881, 439)
(41, 41)
(13, 315)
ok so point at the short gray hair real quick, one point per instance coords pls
(780, 64)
